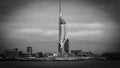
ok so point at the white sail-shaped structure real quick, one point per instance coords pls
(63, 46)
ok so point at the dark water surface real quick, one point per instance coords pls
(59, 64)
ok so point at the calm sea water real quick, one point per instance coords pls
(59, 64)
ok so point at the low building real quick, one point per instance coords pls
(11, 53)
(82, 53)
(76, 52)
(39, 54)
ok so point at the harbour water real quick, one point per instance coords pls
(60, 64)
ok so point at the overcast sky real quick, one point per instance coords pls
(92, 25)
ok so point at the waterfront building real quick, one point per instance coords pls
(29, 51)
(11, 53)
(77, 52)
(39, 54)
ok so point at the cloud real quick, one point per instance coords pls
(26, 30)
(84, 33)
(38, 31)
(55, 32)
(85, 25)
(51, 32)
(86, 30)
(70, 25)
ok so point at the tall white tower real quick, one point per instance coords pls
(63, 46)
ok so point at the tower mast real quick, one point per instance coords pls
(59, 19)
(59, 8)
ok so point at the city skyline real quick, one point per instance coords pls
(92, 24)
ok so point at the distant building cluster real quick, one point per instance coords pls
(82, 53)
(16, 54)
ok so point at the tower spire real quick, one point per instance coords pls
(59, 8)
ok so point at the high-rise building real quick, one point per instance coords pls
(63, 45)
(29, 51)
